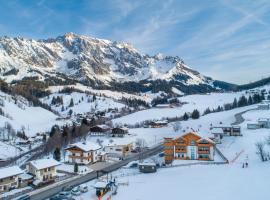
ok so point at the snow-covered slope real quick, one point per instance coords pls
(83, 103)
(92, 61)
(21, 115)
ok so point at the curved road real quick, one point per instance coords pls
(239, 117)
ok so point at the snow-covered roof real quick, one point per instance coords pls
(10, 171)
(263, 119)
(100, 184)
(44, 163)
(103, 126)
(25, 176)
(147, 163)
(217, 131)
(191, 133)
(86, 146)
(161, 122)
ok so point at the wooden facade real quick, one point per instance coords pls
(190, 146)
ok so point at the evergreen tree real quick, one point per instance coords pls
(195, 114)
(71, 104)
(235, 104)
(242, 101)
(70, 112)
(57, 154)
(207, 111)
(76, 168)
(185, 116)
(250, 101)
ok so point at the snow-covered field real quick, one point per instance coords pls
(208, 182)
(200, 102)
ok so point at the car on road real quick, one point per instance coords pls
(76, 191)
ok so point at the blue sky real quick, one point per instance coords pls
(226, 39)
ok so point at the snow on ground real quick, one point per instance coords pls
(21, 114)
(82, 103)
(7, 150)
(200, 102)
(206, 182)
(70, 168)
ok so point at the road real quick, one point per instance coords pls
(55, 188)
(239, 117)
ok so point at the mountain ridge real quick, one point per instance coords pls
(98, 63)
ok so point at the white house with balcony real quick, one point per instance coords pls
(44, 170)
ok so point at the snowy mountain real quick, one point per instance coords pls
(97, 63)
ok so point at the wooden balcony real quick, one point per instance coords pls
(203, 152)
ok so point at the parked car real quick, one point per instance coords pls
(84, 188)
(76, 191)
(65, 195)
(67, 188)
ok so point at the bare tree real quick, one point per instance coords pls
(177, 126)
(260, 150)
(141, 143)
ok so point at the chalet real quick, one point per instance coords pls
(230, 130)
(159, 124)
(9, 178)
(85, 153)
(189, 146)
(100, 130)
(119, 132)
(119, 149)
(218, 134)
(25, 179)
(253, 125)
(43, 170)
(147, 167)
(264, 122)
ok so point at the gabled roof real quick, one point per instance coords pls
(85, 146)
(217, 130)
(10, 171)
(191, 133)
(44, 163)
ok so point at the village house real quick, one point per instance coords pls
(230, 130)
(9, 178)
(119, 132)
(263, 106)
(43, 170)
(189, 146)
(218, 134)
(253, 125)
(159, 124)
(100, 130)
(119, 149)
(264, 122)
(85, 153)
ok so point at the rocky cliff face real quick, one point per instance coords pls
(93, 61)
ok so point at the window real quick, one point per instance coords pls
(192, 142)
